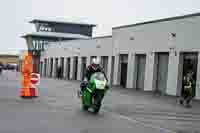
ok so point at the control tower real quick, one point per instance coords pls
(48, 31)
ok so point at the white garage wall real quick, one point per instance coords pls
(87, 48)
(156, 36)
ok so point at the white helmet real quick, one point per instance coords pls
(96, 61)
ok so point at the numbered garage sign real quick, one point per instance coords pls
(35, 78)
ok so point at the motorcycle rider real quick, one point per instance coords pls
(91, 69)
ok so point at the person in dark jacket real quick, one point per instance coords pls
(91, 69)
(186, 94)
(94, 67)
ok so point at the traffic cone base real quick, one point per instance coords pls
(33, 92)
(25, 93)
(25, 97)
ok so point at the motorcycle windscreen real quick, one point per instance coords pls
(100, 84)
(98, 76)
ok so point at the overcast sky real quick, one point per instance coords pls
(15, 15)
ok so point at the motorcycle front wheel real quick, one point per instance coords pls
(84, 107)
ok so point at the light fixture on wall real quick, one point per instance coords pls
(173, 34)
(132, 38)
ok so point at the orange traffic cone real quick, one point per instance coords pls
(26, 91)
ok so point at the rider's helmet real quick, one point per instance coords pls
(96, 61)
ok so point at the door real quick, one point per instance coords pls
(56, 68)
(45, 67)
(123, 73)
(75, 67)
(141, 63)
(51, 67)
(68, 68)
(62, 66)
(104, 62)
(162, 71)
(112, 69)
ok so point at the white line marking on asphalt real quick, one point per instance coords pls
(139, 122)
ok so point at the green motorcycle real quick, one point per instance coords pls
(94, 92)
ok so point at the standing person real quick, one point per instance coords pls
(186, 95)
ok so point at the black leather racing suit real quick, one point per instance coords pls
(91, 69)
